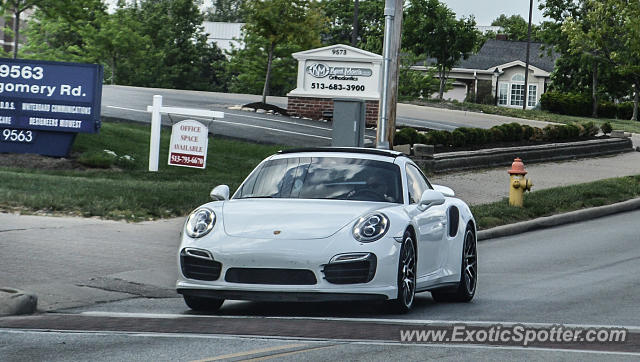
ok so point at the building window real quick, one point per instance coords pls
(503, 94)
(533, 95)
(517, 78)
(517, 94)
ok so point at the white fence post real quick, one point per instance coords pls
(156, 123)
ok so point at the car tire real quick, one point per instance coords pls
(201, 304)
(406, 276)
(466, 288)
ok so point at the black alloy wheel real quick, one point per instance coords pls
(406, 276)
(466, 288)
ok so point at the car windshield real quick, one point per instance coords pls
(325, 178)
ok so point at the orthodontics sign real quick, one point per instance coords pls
(338, 71)
(43, 105)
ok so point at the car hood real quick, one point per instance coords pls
(291, 218)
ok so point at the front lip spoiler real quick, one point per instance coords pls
(281, 296)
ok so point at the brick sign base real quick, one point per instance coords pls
(313, 108)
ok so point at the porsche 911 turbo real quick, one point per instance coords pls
(329, 224)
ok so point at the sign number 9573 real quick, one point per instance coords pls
(14, 135)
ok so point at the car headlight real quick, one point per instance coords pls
(200, 222)
(371, 227)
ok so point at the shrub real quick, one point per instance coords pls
(625, 110)
(607, 110)
(527, 132)
(573, 131)
(441, 137)
(538, 134)
(406, 135)
(577, 104)
(590, 129)
(606, 128)
(458, 138)
(551, 133)
(497, 135)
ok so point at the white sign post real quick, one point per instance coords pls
(156, 119)
(188, 147)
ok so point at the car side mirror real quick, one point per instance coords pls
(220, 193)
(430, 198)
(444, 190)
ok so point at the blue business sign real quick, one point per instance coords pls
(43, 105)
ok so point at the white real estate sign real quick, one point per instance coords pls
(188, 147)
(338, 71)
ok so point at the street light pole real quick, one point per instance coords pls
(526, 71)
(354, 33)
(389, 92)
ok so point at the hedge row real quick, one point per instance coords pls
(511, 132)
(579, 104)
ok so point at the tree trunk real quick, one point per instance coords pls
(16, 33)
(635, 101)
(354, 32)
(8, 40)
(594, 92)
(113, 70)
(265, 90)
(442, 83)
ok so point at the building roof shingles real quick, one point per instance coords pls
(497, 52)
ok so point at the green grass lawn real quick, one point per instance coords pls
(538, 115)
(558, 200)
(131, 193)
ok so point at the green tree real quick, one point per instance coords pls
(280, 22)
(432, 31)
(340, 19)
(227, 11)
(61, 30)
(414, 84)
(16, 8)
(516, 27)
(120, 45)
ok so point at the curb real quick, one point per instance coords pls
(15, 301)
(560, 219)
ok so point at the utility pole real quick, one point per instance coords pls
(354, 33)
(389, 94)
(526, 71)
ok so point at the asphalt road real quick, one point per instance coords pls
(131, 103)
(581, 274)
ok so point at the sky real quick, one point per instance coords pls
(485, 11)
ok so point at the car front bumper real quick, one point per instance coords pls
(308, 255)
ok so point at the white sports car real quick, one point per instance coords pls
(329, 224)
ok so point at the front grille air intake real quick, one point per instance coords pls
(199, 264)
(270, 276)
(351, 268)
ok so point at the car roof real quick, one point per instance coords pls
(364, 151)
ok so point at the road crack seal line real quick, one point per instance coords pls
(124, 286)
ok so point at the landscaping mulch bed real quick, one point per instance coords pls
(267, 107)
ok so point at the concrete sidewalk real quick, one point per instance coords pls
(485, 186)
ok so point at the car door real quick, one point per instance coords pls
(430, 223)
